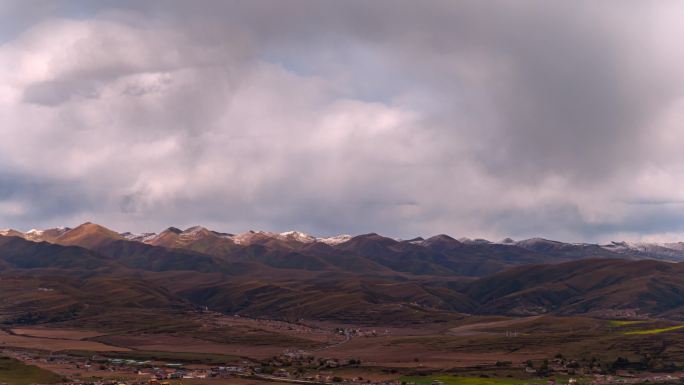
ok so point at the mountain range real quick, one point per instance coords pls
(201, 239)
(84, 272)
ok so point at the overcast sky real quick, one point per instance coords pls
(482, 119)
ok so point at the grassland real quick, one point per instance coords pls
(655, 331)
(644, 327)
(619, 323)
(574, 337)
(14, 372)
(469, 350)
(456, 380)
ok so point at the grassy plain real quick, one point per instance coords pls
(496, 347)
(14, 372)
(457, 380)
(620, 323)
(655, 331)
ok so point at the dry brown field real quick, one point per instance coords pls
(391, 351)
(67, 334)
(54, 344)
(169, 343)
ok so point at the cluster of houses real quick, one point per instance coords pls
(296, 358)
(356, 332)
(303, 368)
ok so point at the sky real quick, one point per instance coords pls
(489, 119)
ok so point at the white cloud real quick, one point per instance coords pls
(519, 124)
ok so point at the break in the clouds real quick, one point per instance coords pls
(482, 118)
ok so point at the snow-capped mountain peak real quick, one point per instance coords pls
(336, 240)
(298, 236)
(142, 237)
(670, 251)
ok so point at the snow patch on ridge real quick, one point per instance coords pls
(336, 240)
(142, 237)
(298, 236)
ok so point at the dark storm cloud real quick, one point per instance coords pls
(472, 118)
(41, 200)
(559, 83)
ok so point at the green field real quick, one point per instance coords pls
(618, 323)
(14, 372)
(655, 331)
(455, 380)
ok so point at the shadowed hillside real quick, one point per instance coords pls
(367, 278)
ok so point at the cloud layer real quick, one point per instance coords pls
(472, 118)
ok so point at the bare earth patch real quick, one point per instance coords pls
(66, 334)
(54, 344)
(480, 328)
(167, 343)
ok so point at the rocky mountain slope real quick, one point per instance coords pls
(70, 273)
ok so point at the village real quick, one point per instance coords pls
(297, 367)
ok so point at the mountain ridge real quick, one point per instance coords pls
(173, 237)
(371, 278)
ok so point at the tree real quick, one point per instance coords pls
(544, 368)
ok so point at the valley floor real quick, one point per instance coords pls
(471, 350)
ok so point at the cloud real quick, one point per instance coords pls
(475, 119)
